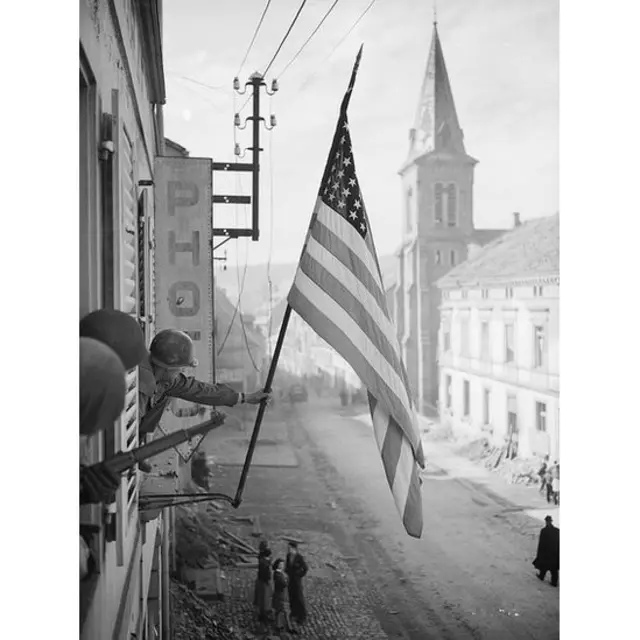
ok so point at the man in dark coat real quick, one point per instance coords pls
(296, 568)
(548, 556)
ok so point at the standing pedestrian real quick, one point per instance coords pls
(280, 583)
(542, 473)
(548, 556)
(296, 568)
(555, 485)
(549, 482)
(262, 590)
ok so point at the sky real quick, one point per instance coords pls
(502, 60)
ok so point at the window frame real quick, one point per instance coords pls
(541, 416)
(507, 326)
(466, 398)
(539, 355)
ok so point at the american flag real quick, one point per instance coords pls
(338, 291)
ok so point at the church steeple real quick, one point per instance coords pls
(436, 127)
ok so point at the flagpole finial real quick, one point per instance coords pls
(435, 13)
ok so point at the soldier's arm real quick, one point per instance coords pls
(214, 395)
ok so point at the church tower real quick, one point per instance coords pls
(437, 227)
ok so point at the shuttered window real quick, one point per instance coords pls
(129, 301)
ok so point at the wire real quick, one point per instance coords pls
(202, 84)
(255, 34)
(346, 35)
(313, 33)
(286, 35)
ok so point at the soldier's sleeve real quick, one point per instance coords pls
(214, 395)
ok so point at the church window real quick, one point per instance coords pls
(409, 209)
(438, 203)
(453, 257)
(438, 257)
(452, 209)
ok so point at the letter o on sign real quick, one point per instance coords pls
(175, 291)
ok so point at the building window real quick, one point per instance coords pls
(539, 346)
(464, 294)
(486, 406)
(438, 203)
(452, 205)
(453, 257)
(466, 391)
(538, 291)
(509, 343)
(447, 391)
(484, 341)
(446, 202)
(446, 340)
(509, 292)
(464, 337)
(485, 294)
(409, 209)
(438, 257)
(541, 416)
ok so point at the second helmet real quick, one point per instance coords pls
(172, 349)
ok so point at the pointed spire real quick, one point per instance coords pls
(436, 127)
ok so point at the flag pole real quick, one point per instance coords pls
(263, 405)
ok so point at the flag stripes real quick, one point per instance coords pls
(334, 325)
(401, 470)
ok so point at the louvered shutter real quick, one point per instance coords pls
(129, 300)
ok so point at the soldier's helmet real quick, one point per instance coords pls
(172, 349)
(119, 331)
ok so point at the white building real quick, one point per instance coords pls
(498, 341)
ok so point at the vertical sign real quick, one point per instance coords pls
(184, 270)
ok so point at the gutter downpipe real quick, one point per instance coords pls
(166, 593)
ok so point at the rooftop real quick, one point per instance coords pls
(530, 250)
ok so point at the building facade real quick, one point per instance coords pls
(498, 357)
(121, 94)
(437, 225)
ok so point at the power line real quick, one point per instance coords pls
(253, 39)
(313, 33)
(346, 35)
(286, 35)
(221, 87)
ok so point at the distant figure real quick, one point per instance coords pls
(280, 583)
(296, 569)
(548, 556)
(262, 591)
(549, 482)
(555, 485)
(542, 473)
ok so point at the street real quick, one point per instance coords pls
(317, 476)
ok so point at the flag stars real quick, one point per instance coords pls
(346, 192)
(347, 161)
(340, 173)
(342, 204)
(362, 226)
(357, 204)
(352, 182)
(332, 197)
(335, 186)
(353, 214)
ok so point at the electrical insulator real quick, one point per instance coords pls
(274, 85)
(236, 119)
(236, 149)
(273, 120)
(236, 84)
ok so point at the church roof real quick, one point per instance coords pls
(530, 250)
(436, 127)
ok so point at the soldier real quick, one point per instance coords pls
(119, 331)
(296, 569)
(162, 378)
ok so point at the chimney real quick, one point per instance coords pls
(516, 220)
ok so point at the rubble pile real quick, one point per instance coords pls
(204, 538)
(194, 619)
(476, 449)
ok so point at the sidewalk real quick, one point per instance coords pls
(441, 455)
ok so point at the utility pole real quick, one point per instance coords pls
(256, 81)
